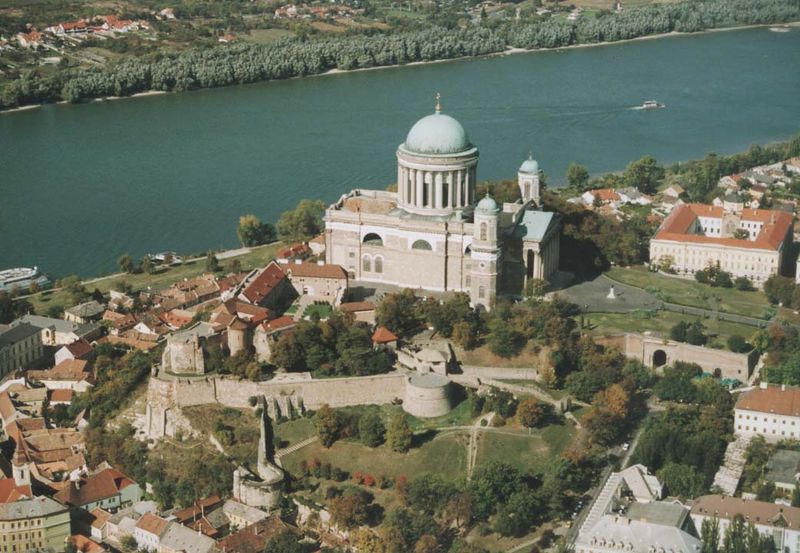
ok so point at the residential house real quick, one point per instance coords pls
(600, 196)
(780, 522)
(118, 322)
(119, 300)
(296, 252)
(783, 470)
(673, 191)
(71, 374)
(76, 350)
(33, 524)
(84, 312)
(148, 531)
(176, 318)
(46, 455)
(32, 39)
(255, 537)
(107, 489)
(20, 347)
(240, 515)
(61, 397)
(180, 539)
(97, 520)
(318, 281)
(772, 412)
(189, 292)
(10, 491)
(82, 544)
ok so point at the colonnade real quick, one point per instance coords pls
(436, 189)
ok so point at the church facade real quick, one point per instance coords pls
(433, 233)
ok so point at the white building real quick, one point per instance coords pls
(780, 522)
(769, 411)
(628, 516)
(434, 233)
(751, 243)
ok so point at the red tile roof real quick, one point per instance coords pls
(104, 484)
(85, 545)
(775, 226)
(7, 408)
(79, 349)
(175, 318)
(757, 512)
(263, 285)
(10, 492)
(153, 524)
(255, 537)
(355, 306)
(771, 400)
(69, 369)
(605, 194)
(61, 396)
(100, 517)
(279, 323)
(313, 270)
(383, 335)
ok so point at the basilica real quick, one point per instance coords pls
(434, 233)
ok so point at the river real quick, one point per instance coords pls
(81, 185)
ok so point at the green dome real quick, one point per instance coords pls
(437, 134)
(530, 166)
(488, 205)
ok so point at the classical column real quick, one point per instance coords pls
(450, 189)
(467, 194)
(437, 184)
(420, 184)
(458, 185)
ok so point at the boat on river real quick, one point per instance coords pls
(652, 104)
(21, 278)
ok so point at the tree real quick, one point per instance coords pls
(147, 265)
(530, 412)
(126, 264)
(399, 435)
(738, 344)
(535, 287)
(681, 480)
(779, 289)
(350, 509)
(252, 232)
(742, 283)
(577, 176)
(709, 532)
(504, 340)
(429, 494)
(128, 543)
(212, 263)
(398, 312)
(371, 430)
(516, 515)
(678, 331)
(796, 495)
(328, 423)
(285, 542)
(694, 334)
(302, 223)
(644, 174)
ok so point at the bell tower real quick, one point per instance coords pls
(529, 181)
(485, 254)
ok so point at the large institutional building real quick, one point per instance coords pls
(434, 233)
(750, 243)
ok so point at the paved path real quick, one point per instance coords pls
(292, 448)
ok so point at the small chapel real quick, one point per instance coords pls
(434, 233)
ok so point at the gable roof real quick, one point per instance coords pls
(152, 524)
(255, 537)
(10, 492)
(314, 270)
(102, 485)
(757, 512)
(357, 306)
(383, 335)
(79, 348)
(264, 283)
(772, 399)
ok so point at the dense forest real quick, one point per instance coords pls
(204, 67)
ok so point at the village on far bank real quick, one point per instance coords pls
(609, 366)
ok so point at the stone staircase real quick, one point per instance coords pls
(602, 502)
(728, 475)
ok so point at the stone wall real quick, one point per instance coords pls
(500, 372)
(658, 352)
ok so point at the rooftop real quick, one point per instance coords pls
(429, 380)
(314, 270)
(782, 467)
(263, 284)
(17, 333)
(757, 512)
(30, 508)
(772, 399)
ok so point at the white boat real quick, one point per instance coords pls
(21, 278)
(779, 29)
(652, 104)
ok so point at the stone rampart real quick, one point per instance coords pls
(500, 372)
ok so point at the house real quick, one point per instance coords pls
(673, 191)
(361, 310)
(46, 455)
(240, 515)
(267, 287)
(255, 537)
(233, 309)
(772, 412)
(205, 516)
(61, 397)
(167, 13)
(20, 347)
(31, 400)
(148, 531)
(84, 312)
(132, 339)
(71, 374)
(107, 489)
(119, 300)
(180, 539)
(98, 518)
(76, 350)
(318, 281)
(383, 337)
(83, 544)
(296, 252)
(32, 39)
(189, 292)
(10, 491)
(176, 318)
(118, 322)
(780, 522)
(600, 196)
(51, 520)
(783, 470)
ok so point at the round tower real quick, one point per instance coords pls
(528, 179)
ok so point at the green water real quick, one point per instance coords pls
(80, 185)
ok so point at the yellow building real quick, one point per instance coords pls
(37, 524)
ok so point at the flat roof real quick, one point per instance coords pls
(429, 380)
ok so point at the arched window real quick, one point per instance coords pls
(481, 292)
(373, 239)
(378, 264)
(421, 245)
(484, 231)
(366, 265)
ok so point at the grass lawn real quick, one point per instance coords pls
(529, 452)
(243, 423)
(266, 36)
(459, 416)
(445, 455)
(294, 431)
(693, 293)
(661, 322)
(258, 257)
(552, 392)
(323, 310)
(483, 357)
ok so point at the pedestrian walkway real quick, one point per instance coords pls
(292, 448)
